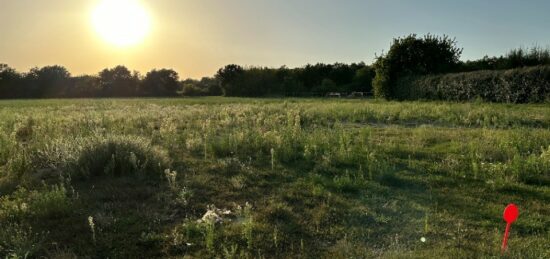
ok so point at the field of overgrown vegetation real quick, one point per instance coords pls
(272, 178)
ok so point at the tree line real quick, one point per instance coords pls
(407, 56)
(56, 82)
(232, 80)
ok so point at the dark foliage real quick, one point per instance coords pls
(118, 82)
(516, 58)
(10, 82)
(163, 82)
(56, 82)
(207, 86)
(521, 85)
(413, 55)
(310, 80)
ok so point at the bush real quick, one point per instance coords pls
(522, 85)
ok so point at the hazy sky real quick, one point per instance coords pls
(196, 37)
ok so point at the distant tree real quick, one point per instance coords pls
(362, 80)
(10, 82)
(515, 58)
(193, 88)
(211, 85)
(118, 82)
(84, 86)
(163, 82)
(414, 55)
(229, 77)
(326, 86)
(290, 85)
(49, 81)
(315, 79)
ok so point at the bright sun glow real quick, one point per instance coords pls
(121, 22)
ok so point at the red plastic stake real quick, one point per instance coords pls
(511, 214)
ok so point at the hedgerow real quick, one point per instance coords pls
(522, 85)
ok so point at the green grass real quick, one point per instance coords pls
(299, 178)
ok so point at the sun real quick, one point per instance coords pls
(121, 22)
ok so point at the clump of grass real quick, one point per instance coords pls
(23, 204)
(19, 209)
(23, 131)
(102, 156)
(121, 156)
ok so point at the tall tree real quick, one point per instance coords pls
(163, 82)
(9, 82)
(229, 77)
(118, 82)
(49, 81)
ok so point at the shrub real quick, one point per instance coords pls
(522, 85)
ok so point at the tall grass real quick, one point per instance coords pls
(325, 177)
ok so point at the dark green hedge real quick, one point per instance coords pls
(522, 85)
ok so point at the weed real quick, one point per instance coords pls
(210, 236)
(91, 224)
(248, 226)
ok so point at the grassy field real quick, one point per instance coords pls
(294, 178)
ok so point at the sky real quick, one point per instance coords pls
(197, 37)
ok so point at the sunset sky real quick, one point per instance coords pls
(196, 37)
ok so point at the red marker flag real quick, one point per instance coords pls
(511, 214)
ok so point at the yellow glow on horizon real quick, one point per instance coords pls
(121, 22)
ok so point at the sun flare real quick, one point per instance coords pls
(121, 22)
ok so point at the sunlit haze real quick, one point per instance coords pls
(196, 37)
(121, 22)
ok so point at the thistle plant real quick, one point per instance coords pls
(92, 227)
(171, 177)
